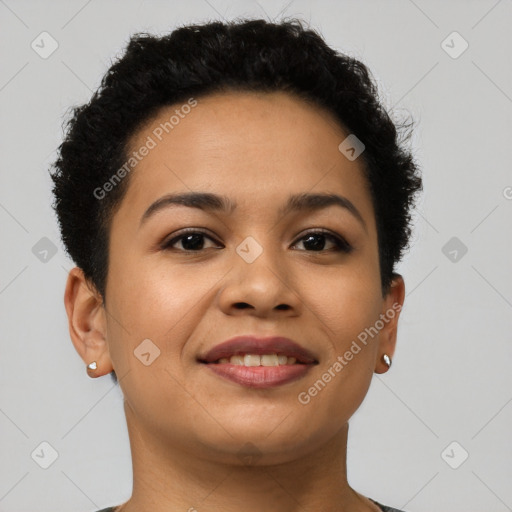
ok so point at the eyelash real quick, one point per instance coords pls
(341, 244)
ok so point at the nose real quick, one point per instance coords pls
(264, 287)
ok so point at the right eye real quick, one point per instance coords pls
(191, 240)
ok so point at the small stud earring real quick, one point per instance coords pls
(387, 360)
(92, 366)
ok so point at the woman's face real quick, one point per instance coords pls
(254, 271)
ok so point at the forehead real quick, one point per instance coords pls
(257, 148)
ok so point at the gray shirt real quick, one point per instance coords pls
(384, 508)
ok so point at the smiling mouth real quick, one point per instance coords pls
(254, 362)
(257, 360)
(259, 371)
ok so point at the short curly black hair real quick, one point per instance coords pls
(199, 59)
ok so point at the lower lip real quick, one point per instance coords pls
(260, 376)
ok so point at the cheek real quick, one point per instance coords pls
(159, 301)
(345, 301)
(153, 292)
(346, 305)
(154, 310)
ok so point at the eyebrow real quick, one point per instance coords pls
(207, 201)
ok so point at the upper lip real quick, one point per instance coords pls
(249, 344)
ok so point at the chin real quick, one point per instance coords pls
(273, 441)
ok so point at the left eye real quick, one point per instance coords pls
(192, 241)
(340, 244)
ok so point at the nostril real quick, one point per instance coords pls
(242, 305)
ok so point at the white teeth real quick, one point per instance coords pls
(282, 359)
(252, 360)
(238, 360)
(270, 360)
(257, 360)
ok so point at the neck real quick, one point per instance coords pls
(168, 479)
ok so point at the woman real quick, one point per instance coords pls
(235, 199)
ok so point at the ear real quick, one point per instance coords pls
(391, 309)
(87, 321)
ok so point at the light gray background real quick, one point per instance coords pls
(451, 378)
